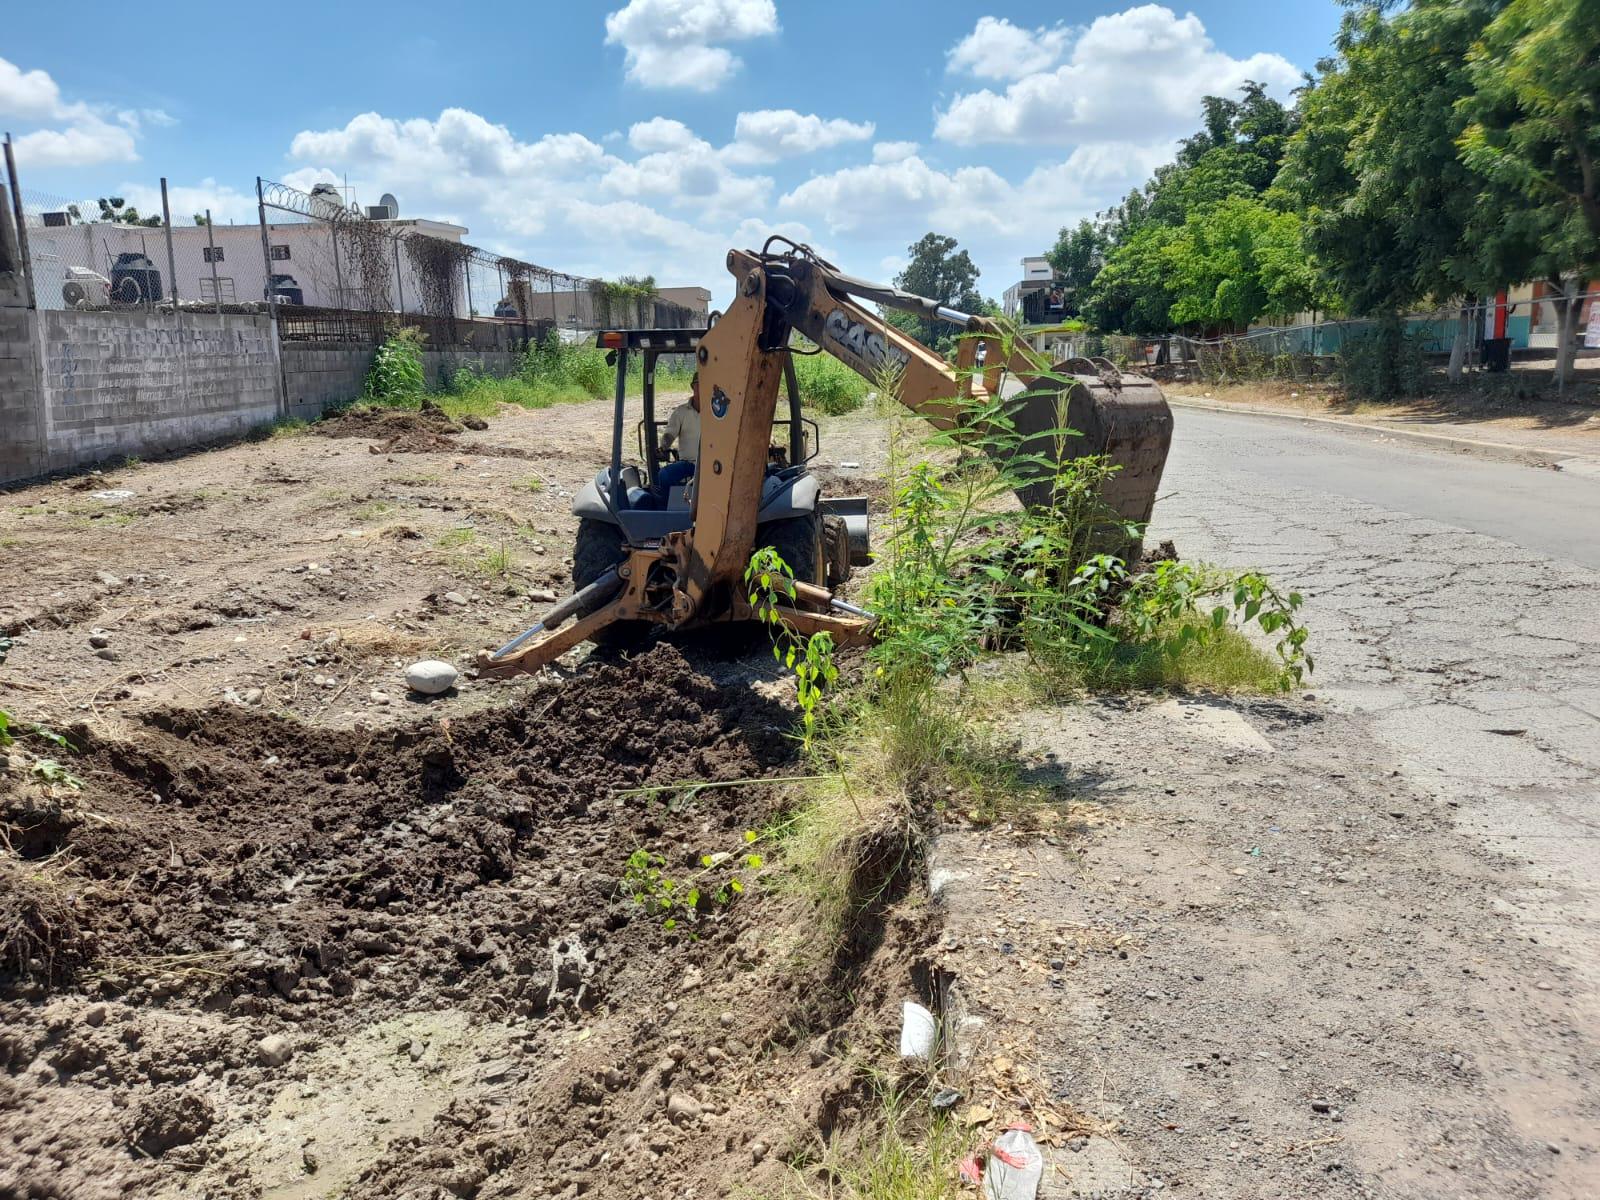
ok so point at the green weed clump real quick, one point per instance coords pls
(827, 385)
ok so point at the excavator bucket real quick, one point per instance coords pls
(1123, 417)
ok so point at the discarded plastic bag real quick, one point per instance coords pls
(918, 1032)
(1015, 1167)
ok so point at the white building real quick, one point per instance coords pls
(1036, 298)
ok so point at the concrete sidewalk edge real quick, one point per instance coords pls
(1504, 451)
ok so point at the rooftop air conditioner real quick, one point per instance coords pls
(57, 219)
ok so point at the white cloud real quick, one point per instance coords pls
(227, 204)
(678, 43)
(87, 141)
(1136, 75)
(892, 152)
(997, 49)
(662, 203)
(83, 135)
(660, 133)
(770, 134)
(886, 196)
(28, 95)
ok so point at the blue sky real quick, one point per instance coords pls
(648, 136)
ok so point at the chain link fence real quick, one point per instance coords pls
(329, 272)
(336, 273)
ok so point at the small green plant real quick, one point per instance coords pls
(454, 539)
(810, 658)
(533, 483)
(496, 561)
(53, 773)
(718, 882)
(396, 375)
(1171, 594)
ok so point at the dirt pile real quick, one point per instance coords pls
(403, 963)
(402, 431)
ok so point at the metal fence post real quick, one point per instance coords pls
(270, 298)
(172, 262)
(22, 225)
(466, 271)
(399, 286)
(211, 240)
(338, 281)
(266, 251)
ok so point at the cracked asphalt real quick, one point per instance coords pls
(1454, 605)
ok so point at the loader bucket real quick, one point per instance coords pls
(1123, 417)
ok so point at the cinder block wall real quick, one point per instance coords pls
(22, 444)
(319, 374)
(127, 383)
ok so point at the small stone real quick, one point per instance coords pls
(251, 696)
(681, 1109)
(1458, 1060)
(274, 1050)
(106, 653)
(95, 1015)
(455, 598)
(1057, 964)
(1320, 1106)
(758, 1151)
(725, 1019)
(431, 677)
(99, 641)
(477, 424)
(107, 578)
(1552, 1147)
(378, 697)
(542, 595)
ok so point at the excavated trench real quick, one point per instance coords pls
(253, 959)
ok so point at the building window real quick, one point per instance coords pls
(211, 253)
(280, 253)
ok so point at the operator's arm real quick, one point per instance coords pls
(674, 428)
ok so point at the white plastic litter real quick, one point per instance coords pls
(430, 677)
(918, 1032)
(113, 495)
(1015, 1167)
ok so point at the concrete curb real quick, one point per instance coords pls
(1503, 451)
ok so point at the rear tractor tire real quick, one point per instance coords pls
(598, 547)
(798, 541)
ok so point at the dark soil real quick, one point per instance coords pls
(403, 431)
(432, 919)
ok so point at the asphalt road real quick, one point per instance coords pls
(1454, 605)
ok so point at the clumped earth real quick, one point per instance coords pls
(284, 961)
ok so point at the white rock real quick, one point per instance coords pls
(455, 598)
(918, 1031)
(430, 677)
(274, 1050)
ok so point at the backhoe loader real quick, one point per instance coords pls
(678, 560)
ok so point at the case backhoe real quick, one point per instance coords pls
(678, 560)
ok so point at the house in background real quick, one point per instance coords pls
(1038, 297)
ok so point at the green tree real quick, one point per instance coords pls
(1236, 262)
(1077, 256)
(1533, 133)
(940, 272)
(1134, 291)
(117, 211)
(1391, 211)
